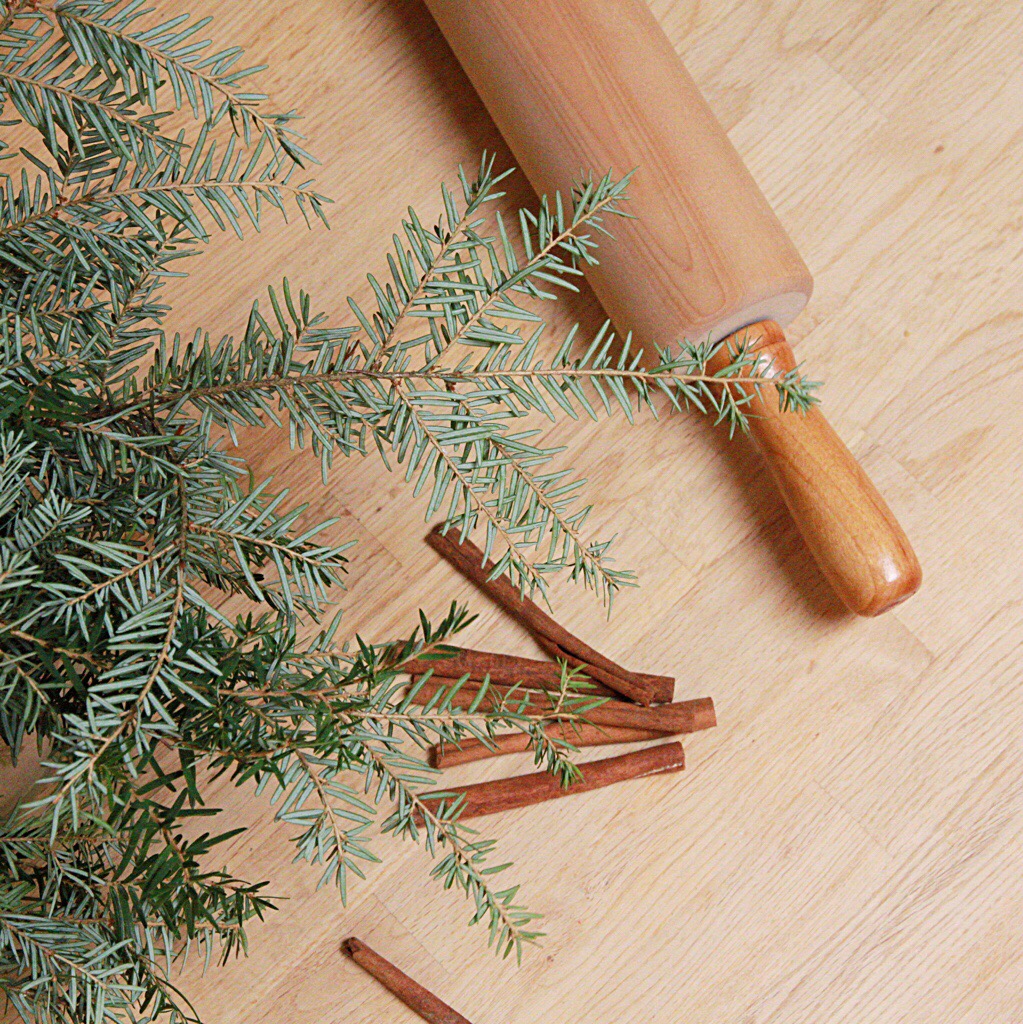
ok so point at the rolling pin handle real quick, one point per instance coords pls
(851, 532)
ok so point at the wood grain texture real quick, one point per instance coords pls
(844, 847)
(596, 84)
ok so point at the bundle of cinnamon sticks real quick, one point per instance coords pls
(639, 705)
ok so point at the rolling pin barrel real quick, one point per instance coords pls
(592, 85)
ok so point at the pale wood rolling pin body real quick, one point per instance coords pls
(579, 86)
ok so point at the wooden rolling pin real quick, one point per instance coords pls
(592, 85)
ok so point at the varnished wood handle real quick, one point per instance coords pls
(845, 522)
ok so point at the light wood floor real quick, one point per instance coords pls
(846, 847)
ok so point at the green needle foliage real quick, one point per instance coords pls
(125, 516)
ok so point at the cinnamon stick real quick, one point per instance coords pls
(554, 639)
(411, 993)
(579, 734)
(668, 719)
(662, 687)
(526, 790)
(501, 668)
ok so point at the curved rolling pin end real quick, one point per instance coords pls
(859, 545)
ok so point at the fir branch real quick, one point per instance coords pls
(46, 645)
(509, 925)
(438, 376)
(99, 32)
(102, 985)
(546, 258)
(212, 188)
(86, 766)
(47, 105)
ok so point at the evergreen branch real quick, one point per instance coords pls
(50, 954)
(124, 521)
(338, 847)
(170, 48)
(123, 442)
(541, 261)
(509, 925)
(114, 980)
(120, 577)
(462, 296)
(340, 837)
(439, 375)
(586, 557)
(12, 8)
(433, 264)
(161, 658)
(129, 716)
(291, 551)
(112, 110)
(213, 190)
(121, 128)
(473, 502)
(87, 656)
(30, 682)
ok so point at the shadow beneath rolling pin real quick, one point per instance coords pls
(432, 67)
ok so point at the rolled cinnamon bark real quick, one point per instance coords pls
(662, 687)
(411, 993)
(526, 790)
(501, 668)
(554, 639)
(579, 734)
(681, 717)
